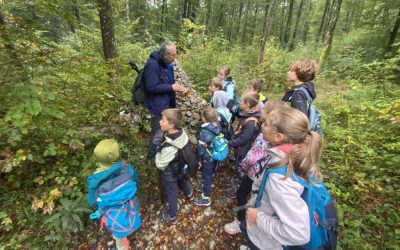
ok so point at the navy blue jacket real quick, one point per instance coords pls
(244, 138)
(158, 78)
(297, 99)
(207, 135)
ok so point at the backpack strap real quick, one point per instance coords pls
(214, 135)
(240, 127)
(280, 170)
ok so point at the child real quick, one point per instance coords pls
(300, 75)
(252, 166)
(245, 133)
(168, 161)
(209, 130)
(282, 218)
(228, 84)
(104, 182)
(215, 86)
(257, 85)
(220, 100)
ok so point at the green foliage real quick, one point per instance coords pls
(67, 218)
(361, 159)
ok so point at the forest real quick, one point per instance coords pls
(66, 83)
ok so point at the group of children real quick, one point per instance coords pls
(267, 134)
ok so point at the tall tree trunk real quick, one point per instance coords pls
(239, 18)
(221, 16)
(282, 35)
(360, 9)
(107, 35)
(269, 10)
(329, 36)
(194, 5)
(296, 27)
(393, 33)
(289, 22)
(163, 14)
(323, 20)
(254, 26)
(327, 22)
(246, 17)
(185, 8)
(208, 15)
(127, 11)
(306, 21)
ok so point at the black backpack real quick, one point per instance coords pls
(138, 89)
(187, 161)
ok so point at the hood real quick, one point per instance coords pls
(167, 154)
(213, 129)
(180, 141)
(224, 112)
(309, 86)
(158, 57)
(255, 114)
(220, 99)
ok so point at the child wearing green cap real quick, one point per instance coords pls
(112, 188)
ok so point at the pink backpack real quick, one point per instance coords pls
(256, 159)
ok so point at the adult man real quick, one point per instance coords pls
(160, 86)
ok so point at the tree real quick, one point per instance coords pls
(289, 21)
(296, 27)
(329, 35)
(393, 33)
(323, 20)
(269, 9)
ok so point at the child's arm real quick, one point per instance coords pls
(245, 135)
(291, 224)
(204, 142)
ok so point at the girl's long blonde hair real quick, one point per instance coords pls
(307, 145)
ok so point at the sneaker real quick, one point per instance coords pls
(199, 187)
(244, 247)
(231, 193)
(168, 219)
(190, 196)
(203, 201)
(233, 227)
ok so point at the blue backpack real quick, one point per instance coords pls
(323, 219)
(115, 198)
(220, 148)
(314, 117)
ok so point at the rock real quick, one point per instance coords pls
(188, 113)
(196, 116)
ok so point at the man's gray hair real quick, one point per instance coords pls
(166, 47)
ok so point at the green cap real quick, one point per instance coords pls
(106, 152)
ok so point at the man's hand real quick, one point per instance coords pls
(178, 87)
(251, 215)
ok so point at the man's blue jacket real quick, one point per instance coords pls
(158, 78)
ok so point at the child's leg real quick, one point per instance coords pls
(171, 192)
(241, 196)
(208, 170)
(122, 244)
(185, 187)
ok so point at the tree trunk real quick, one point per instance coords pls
(282, 35)
(107, 29)
(185, 9)
(239, 18)
(327, 22)
(296, 27)
(306, 21)
(289, 22)
(208, 15)
(194, 5)
(329, 36)
(254, 27)
(127, 11)
(323, 19)
(393, 33)
(246, 17)
(269, 9)
(163, 14)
